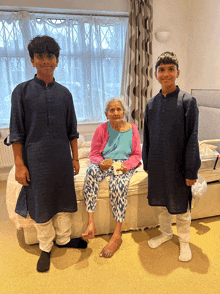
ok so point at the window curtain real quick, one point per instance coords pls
(90, 63)
(137, 77)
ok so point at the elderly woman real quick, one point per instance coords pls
(115, 152)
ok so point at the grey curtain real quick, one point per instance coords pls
(138, 69)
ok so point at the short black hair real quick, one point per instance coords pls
(167, 58)
(43, 44)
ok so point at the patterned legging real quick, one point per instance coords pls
(118, 186)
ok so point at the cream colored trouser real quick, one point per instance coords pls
(183, 222)
(59, 226)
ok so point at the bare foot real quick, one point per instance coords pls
(112, 246)
(90, 231)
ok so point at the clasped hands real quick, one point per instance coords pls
(107, 163)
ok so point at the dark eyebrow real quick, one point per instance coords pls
(162, 66)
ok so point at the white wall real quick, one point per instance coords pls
(172, 15)
(195, 38)
(203, 53)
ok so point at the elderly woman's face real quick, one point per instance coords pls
(115, 112)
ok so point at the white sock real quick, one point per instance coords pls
(185, 252)
(157, 241)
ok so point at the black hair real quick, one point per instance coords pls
(167, 58)
(43, 44)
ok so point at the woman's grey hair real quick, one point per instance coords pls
(117, 99)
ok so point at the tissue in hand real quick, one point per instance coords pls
(199, 188)
(117, 165)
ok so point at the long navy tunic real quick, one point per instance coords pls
(43, 119)
(170, 150)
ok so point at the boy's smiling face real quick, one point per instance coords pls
(166, 75)
(45, 64)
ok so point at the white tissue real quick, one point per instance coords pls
(199, 188)
(117, 165)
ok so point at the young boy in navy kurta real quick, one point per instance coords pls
(171, 153)
(43, 126)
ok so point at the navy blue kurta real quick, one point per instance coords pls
(170, 150)
(43, 119)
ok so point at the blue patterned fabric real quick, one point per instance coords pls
(118, 186)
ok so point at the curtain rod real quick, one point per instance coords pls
(66, 13)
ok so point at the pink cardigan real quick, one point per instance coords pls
(100, 139)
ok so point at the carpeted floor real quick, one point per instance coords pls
(135, 268)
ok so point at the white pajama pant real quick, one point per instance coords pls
(183, 222)
(59, 226)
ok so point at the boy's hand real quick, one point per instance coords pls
(190, 182)
(22, 175)
(76, 167)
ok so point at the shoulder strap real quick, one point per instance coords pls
(183, 98)
(181, 107)
(181, 95)
(5, 141)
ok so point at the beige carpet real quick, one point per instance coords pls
(135, 268)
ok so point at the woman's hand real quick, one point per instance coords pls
(105, 164)
(22, 175)
(76, 167)
(123, 168)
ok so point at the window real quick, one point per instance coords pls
(90, 63)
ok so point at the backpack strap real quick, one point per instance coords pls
(183, 98)
(180, 103)
(181, 109)
(5, 141)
